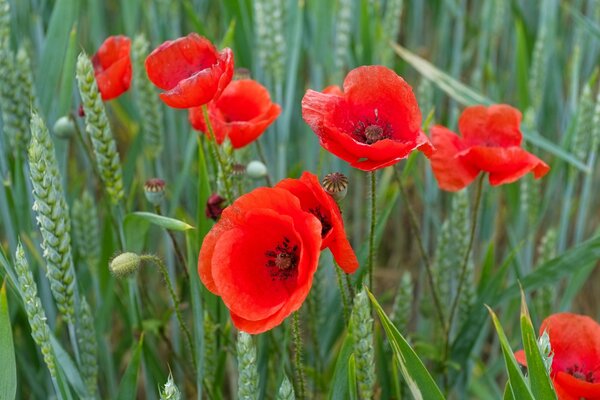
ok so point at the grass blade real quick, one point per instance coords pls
(128, 385)
(8, 374)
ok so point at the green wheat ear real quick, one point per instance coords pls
(86, 232)
(361, 328)
(97, 126)
(33, 308)
(247, 368)
(88, 347)
(286, 390)
(146, 99)
(401, 309)
(52, 215)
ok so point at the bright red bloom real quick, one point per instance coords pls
(374, 123)
(575, 342)
(190, 70)
(112, 67)
(316, 201)
(490, 142)
(261, 257)
(242, 113)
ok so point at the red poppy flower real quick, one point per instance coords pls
(242, 112)
(575, 342)
(316, 201)
(374, 123)
(112, 67)
(261, 257)
(190, 70)
(490, 142)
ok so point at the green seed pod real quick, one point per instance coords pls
(247, 368)
(64, 128)
(256, 169)
(125, 264)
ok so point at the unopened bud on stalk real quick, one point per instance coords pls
(336, 184)
(154, 189)
(125, 264)
(64, 128)
(256, 169)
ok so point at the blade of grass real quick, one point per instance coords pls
(8, 374)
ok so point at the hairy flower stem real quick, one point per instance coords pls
(372, 228)
(163, 270)
(216, 153)
(463, 269)
(298, 349)
(417, 235)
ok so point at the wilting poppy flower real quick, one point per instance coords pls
(261, 257)
(490, 142)
(242, 113)
(373, 123)
(190, 70)
(316, 201)
(575, 342)
(112, 66)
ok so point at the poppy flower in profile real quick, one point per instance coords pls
(242, 113)
(112, 66)
(575, 342)
(316, 201)
(373, 123)
(490, 142)
(261, 257)
(190, 71)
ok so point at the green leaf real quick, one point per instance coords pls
(541, 386)
(8, 373)
(227, 40)
(467, 97)
(416, 376)
(68, 74)
(128, 385)
(517, 382)
(71, 372)
(352, 389)
(339, 382)
(160, 220)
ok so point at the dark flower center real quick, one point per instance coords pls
(282, 262)
(371, 131)
(578, 373)
(325, 223)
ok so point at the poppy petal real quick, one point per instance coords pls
(497, 125)
(577, 388)
(450, 171)
(504, 164)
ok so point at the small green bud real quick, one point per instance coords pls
(256, 169)
(64, 128)
(125, 264)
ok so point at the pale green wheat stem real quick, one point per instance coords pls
(247, 368)
(391, 28)
(98, 127)
(151, 116)
(343, 25)
(52, 217)
(88, 347)
(401, 310)
(170, 390)
(86, 232)
(361, 328)
(585, 117)
(286, 390)
(33, 307)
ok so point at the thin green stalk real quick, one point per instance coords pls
(178, 252)
(176, 303)
(217, 154)
(414, 225)
(298, 349)
(338, 274)
(349, 286)
(263, 159)
(371, 260)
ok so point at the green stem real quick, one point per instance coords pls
(163, 270)
(263, 159)
(178, 252)
(414, 225)
(217, 154)
(298, 356)
(371, 260)
(340, 282)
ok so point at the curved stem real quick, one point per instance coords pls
(163, 270)
(217, 154)
(298, 349)
(371, 261)
(417, 235)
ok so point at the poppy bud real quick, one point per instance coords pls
(214, 206)
(64, 127)
(154, 189)
(256, 169)
(125, 264)
(336, 185)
